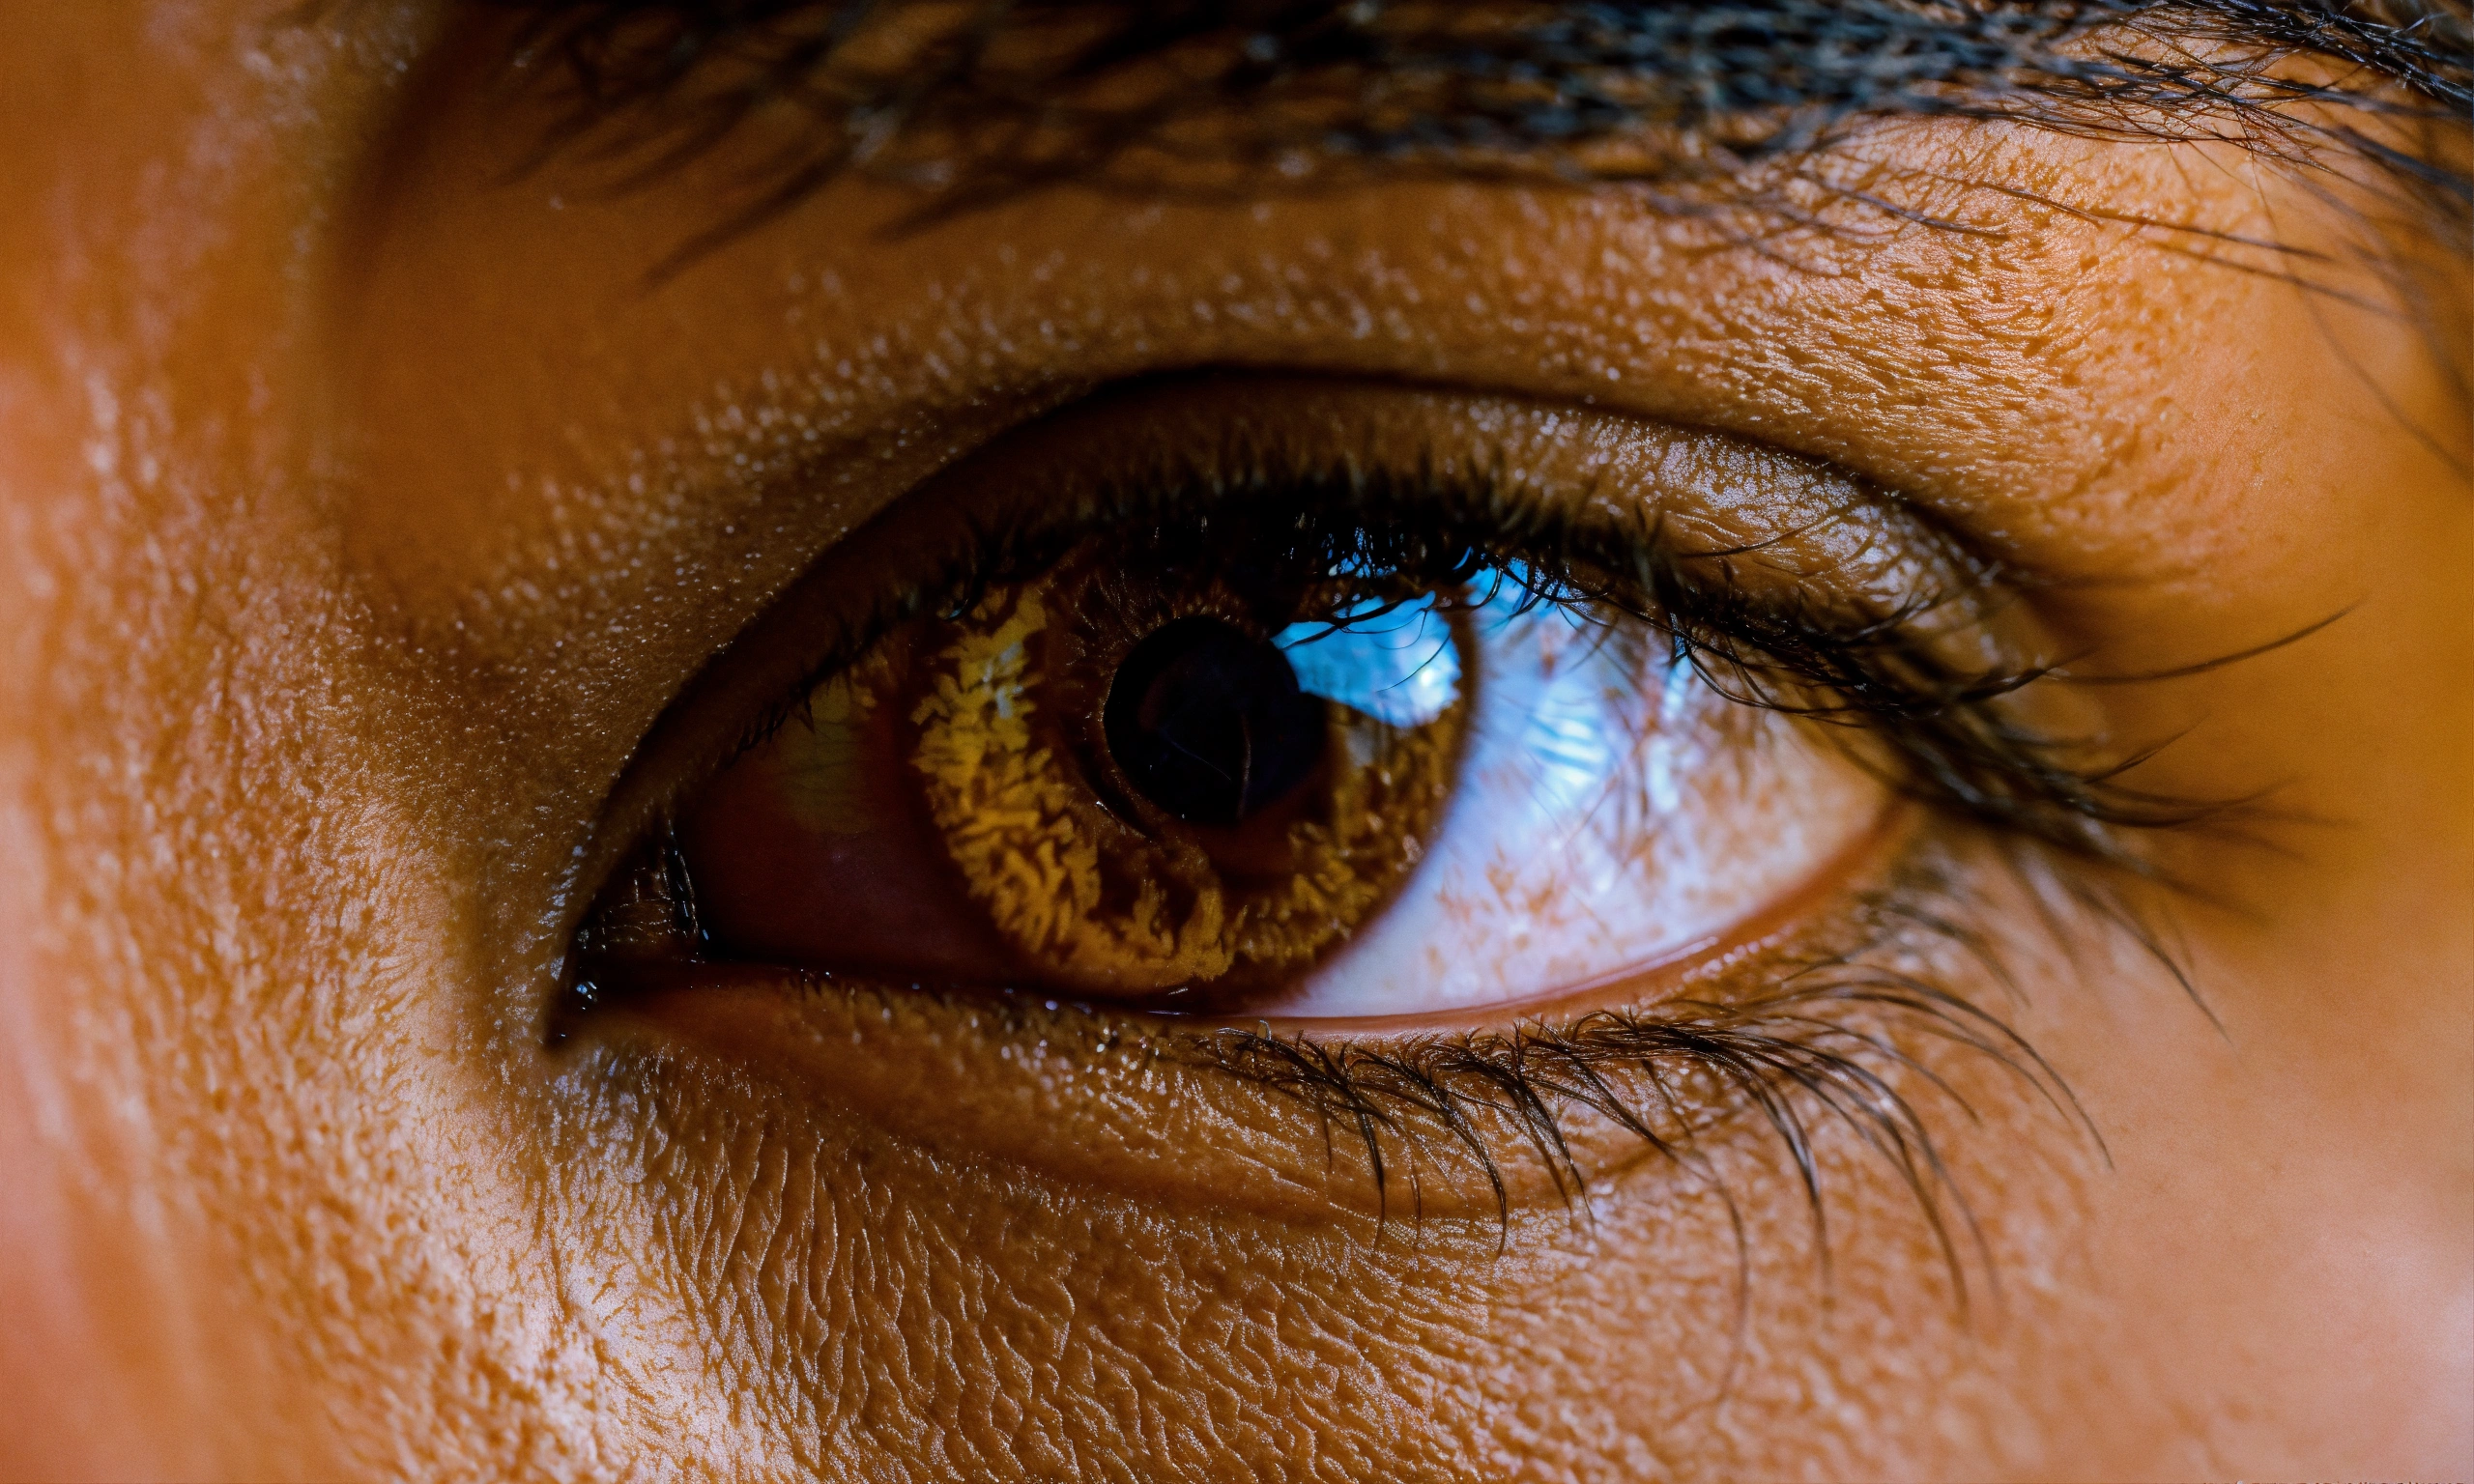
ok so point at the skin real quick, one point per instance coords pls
(363, 512)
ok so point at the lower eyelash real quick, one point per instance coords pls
(1820, 1045)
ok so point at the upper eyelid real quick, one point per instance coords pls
(1909, 550)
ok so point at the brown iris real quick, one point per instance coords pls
(1107, 780)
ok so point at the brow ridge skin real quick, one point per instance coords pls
(1131, 96)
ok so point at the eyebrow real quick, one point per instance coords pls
(1008, 97)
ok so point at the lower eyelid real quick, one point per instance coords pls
(1155, 1108)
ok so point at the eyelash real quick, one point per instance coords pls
(1952, 741)
(1884, 671)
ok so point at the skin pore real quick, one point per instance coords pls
(368, 504)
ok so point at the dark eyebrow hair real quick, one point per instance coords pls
(988, 99)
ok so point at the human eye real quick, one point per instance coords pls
(1289, 730)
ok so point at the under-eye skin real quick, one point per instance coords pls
(1229, 762)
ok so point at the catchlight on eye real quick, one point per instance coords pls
(1280, 766)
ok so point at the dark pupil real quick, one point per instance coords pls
(1208, 721)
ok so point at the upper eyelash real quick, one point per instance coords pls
(1953, 732)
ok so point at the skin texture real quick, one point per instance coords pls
(363, 506)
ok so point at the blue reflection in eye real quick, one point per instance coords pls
(1568, 745)
(1399, 667)
(1572, 758)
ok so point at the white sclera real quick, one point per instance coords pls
(1612, 810)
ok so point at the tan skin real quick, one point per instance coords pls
(334, 618)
